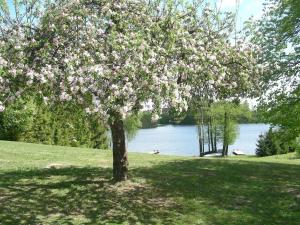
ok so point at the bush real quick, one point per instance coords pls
(58, 125)
(15, 121)
(297, 146)
(69, 125)
(273, 142)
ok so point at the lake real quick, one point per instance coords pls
(182, 140)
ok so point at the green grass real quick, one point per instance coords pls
(161, 189)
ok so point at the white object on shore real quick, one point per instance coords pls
(213, 155)
(154, 152)
(238, 152)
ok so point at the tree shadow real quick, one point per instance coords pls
(76, 196)
(230, 192)
(176, 192)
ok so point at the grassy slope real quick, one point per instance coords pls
(161, 190)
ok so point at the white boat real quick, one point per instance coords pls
(238, 152)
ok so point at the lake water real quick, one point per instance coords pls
(183, 140)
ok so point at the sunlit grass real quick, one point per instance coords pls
(60, 185)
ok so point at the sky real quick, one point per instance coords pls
(246, 9)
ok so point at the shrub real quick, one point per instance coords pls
(297, 146)
(265, 145)
(15, 121)
(57, 125)
(273, 142)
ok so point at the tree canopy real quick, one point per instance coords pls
(277, 34)
(112, 57)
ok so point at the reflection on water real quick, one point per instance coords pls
(183, 140)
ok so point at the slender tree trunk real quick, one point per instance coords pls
(208, 136)
(202, 132)
(120, 159)
(203, 139)
(227, 133)
(225, 138)
(215, 138)
(211, 135)
(226, 152)
(200, 140)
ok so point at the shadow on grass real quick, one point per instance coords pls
(178, 192)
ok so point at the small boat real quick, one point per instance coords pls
(238, 152)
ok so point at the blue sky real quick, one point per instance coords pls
(246, 8)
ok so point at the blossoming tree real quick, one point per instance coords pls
(110, 57)
(221, 67)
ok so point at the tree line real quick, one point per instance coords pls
(189, 117)
(65, 125)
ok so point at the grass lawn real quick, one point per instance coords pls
(60, 185)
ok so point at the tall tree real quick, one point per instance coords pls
(277, 35)
(224, 115)
(226, 71)
(111, 57)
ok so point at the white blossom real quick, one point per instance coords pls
(2, 107)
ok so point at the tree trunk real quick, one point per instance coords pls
(226, 152)
(203, 130)
(120, 159)
(211, 135)
(215, 139)
(208, 136)
(200, 141)
(225, 135)
(200, 134)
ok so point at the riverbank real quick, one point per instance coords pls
(56, 185)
